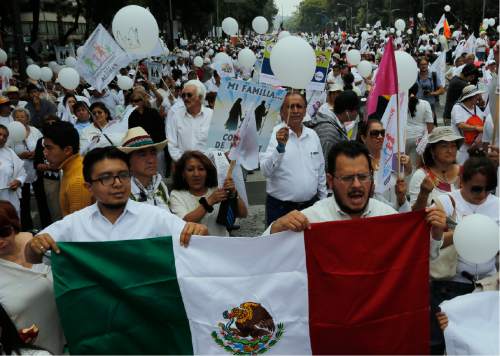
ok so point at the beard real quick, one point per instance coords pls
(347, 209)
(116, 206)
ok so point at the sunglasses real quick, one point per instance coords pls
(5, 231)
(477, 189)
(186, 95)
(377, 133)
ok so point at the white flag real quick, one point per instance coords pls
(377, 24)
(245, 149)
(470, 44)
(101, 59)
(472, 324)
(439, 66)
(440, 24)
(390, 146)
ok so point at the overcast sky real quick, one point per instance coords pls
(288, 6)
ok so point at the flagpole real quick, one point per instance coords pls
(398, 135)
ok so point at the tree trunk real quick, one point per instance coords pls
(35, 4)
(74, 27)
(18, 38)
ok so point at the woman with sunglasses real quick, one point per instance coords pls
(372, 134)
(26, 290)
(478, 180)
(103, 132)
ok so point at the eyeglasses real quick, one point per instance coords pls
(5, 231)
(186, 95)
(109, 179)
(477, 189)
(377, 133)
(349, 179)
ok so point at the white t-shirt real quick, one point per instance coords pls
(416, 126)
(182, 202)
(490, 208)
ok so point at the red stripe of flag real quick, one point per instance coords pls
(368, 285)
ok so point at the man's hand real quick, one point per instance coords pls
(294, 221)
(27, 155)
(282, 135)
(43, 243)
(14, 184)
(401, 189)
(436, 217)
(190, 229)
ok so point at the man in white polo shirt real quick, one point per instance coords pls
(293, 162)
(114, 216)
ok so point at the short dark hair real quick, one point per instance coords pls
(79, 105)
(8, 216)
(67, 96)
(101, 106)
(351, 149)
(346, 100)
(100, 154)
(179, 181)
(480, 165)
(3, 127)
(63, 134)
(291, 92)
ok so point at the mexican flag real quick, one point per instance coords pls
(339, 288)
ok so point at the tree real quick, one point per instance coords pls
(244, 12)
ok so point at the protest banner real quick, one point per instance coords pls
(154, 71)
(315, 98)
(323, 58)
(101, 59)
(234, 99)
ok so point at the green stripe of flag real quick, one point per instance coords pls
(121, 297)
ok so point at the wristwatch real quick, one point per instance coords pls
(203, 201)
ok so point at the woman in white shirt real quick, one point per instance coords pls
(26, 151)
(420, 121)
(103, 132)
(26, 291)
(461, 115)
(478, 180)
(195, 196)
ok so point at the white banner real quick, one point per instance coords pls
(472, 324)
(439, 66)
(101, 59)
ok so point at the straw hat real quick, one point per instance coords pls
(469, 91)
(138, 139)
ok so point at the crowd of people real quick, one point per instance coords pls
(124, 164)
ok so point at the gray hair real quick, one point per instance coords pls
(23, 110)
(200, 88)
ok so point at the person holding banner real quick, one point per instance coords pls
(37, 106)
(293, 162)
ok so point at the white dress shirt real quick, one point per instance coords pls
(186, 132)
(298, 174)
(138, 221)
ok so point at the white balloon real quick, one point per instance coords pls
(210, 52)
(476, 238)
(409, 31)
(392, 30)
(33, 71)
(260, 25)
(68, 78)
(293, 62)
(400, 24)
(30, 61)
(5, 72)
(3, 56)
(52, 64)
(420, 15)
(57, 68)
(398, 33)
(79, 51)
(246, 58)
(447, 8)
(124, 82)
(198, 61)
(222, 57)
(283, 34)
(46, 74)
(70, 61)
(365, 69)
(17, 132)
(492, 22)
(353, 57)
(230, 26)
(407, 70)
(135, 29)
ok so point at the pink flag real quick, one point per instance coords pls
(386, 81)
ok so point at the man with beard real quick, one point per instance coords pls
(293, 162)
(350, 176)
(114, 217)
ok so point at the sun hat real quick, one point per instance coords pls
(137, 139)
(443, 133)
(4, 100)
(12, 89)
(469, 91)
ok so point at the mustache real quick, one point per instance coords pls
(355, 191)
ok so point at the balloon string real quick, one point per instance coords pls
(289, 108)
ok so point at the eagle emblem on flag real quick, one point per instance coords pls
(249, 329)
